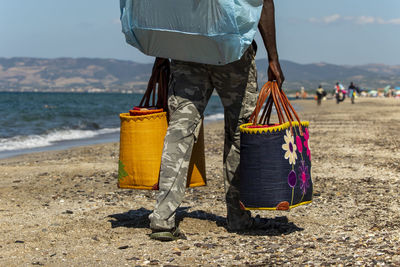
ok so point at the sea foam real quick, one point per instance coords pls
(214, 117)
(33, 141)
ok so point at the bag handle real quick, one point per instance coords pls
(273, 96)
(157, 85)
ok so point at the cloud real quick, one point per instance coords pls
(327, 19)
(332, 18)
(365, 20)
(394, 21)
(360, 20)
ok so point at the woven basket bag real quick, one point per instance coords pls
(142, 139)
(275, 159)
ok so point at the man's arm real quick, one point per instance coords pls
(266, 27)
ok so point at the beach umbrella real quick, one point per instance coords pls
(386, 89)
(373, 93)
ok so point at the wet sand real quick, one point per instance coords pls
(62, 208)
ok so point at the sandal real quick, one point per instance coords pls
(167, 235)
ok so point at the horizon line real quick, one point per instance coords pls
(141, 62)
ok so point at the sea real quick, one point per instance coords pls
(34, 121)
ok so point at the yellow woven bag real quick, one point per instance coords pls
(142, 139)
(141, 145)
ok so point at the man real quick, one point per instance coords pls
(320, 94)
(352, 92)
(190, 89)
(339, 93)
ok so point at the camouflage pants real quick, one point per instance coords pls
(191, 87)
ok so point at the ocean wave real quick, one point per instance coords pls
(33, 141)
(214, 117)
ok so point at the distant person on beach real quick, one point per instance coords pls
(320, 94)
(303, 93)
(340, 93)
(352, 92)
(190, 89)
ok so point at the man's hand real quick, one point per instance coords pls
(267, 31)
(275, 73)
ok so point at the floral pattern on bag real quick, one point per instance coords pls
(307, 143)
(292, 145)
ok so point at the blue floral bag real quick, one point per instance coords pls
(275, 159)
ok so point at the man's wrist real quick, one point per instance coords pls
(273, 58)
(272, 53)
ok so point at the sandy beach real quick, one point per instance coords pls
(63, 208)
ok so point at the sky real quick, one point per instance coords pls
(351, 32)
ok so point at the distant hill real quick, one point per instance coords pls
(311, 75)
(92, 74)
(66, 74)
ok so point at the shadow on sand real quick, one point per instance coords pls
(139, 219)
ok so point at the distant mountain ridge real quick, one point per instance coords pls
(94, 74)
(311, 75)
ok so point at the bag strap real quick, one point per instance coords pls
(157, 85)
(271, 95)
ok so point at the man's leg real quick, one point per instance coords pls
(236, 84)
(189, 93)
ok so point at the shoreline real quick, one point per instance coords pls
(76, 143)
(63, 208)
(112, 138)
(99, 138)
